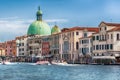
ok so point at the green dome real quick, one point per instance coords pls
(55, 30)
(39, 12)
(39, 28)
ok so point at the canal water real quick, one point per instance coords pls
(27, 71)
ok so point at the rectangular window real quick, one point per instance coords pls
(111, 36)
(19, 49)
(93, 38)
(82, 41)
(111, 46)
(117, 36)
(85, 34)
(22, 53)
(97, 37)
(66, 45)
(22, 44)
(97, 47)
(107, 46)
(102, 47)
(77, 45)
(82, 50)
(19, 44)
(22, 49)
(77, 33)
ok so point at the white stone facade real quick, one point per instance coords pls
(107, 41)
(85, 43)
(21, 45)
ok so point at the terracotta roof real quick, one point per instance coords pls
(110, 24)
(82, 28)
(19, 37)
(114, 29)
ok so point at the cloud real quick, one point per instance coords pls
(11, 27)
(56, 20)
(9, 18)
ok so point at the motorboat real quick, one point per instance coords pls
(43, 63)
(5, 62)
(59, 63)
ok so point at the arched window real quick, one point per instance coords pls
(117, 36)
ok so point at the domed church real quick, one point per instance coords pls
(39, 27)
(55, 30)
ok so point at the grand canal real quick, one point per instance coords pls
(27, 71)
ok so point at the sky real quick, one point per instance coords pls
(17, 15)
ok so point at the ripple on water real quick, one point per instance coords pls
(52, 72)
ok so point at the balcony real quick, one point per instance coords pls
(34, 44)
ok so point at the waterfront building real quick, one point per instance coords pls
(46, 53)
(34, 46)
(54, 42)
(2, 52)
(106, 43)
(21, 43)
(10, 48)
(76, 44)
(36, 31)
(69, 43)
(85, 44)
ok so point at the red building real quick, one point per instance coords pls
(45, 47)
(10, 47)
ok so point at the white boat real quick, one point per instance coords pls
(43, 63)
(59, 63)
(5, 62)
(63, 63)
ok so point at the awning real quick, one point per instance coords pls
(117, 55)
(103, 57)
